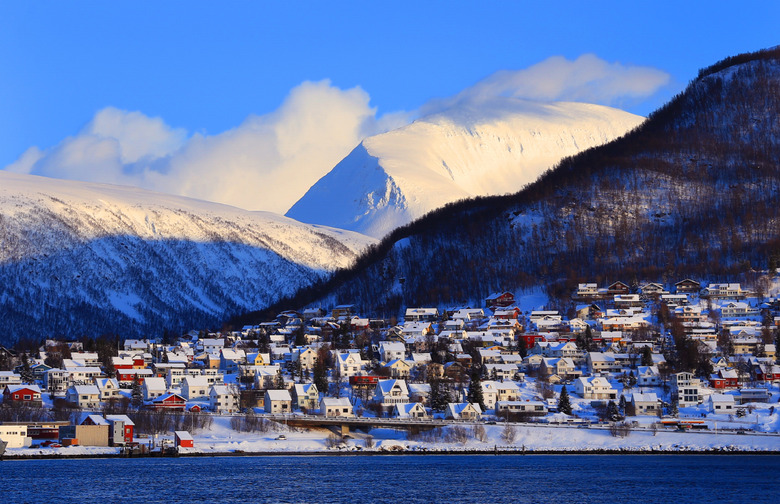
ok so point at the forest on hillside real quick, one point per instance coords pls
(692, 192)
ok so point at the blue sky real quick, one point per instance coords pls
(203, 68)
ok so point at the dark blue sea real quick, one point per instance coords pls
(489, 479)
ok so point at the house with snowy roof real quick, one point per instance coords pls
(336, 407)
(195, 387)
(463, 411)
(21, 394)
(277, 401)
(153, 388)
(389, 392)
(721, 403)
(594, 388)
(391, 350)
(398, 368)
(410, 411)
(349, 363)
(305, 396)
(84, 396)
(223, 398)
(421, 315)
(645, 403)
(230, 359)
(109, 388)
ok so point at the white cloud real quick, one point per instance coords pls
(266, 163)
(586, 79)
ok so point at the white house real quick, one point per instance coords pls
(336, 407)
(305, 396)
(463, 411)
(391, 350)
(388, 392)
(410, 411)
(594, 387)
(648, 376)
(721, 403)
(421, 315)
(153, 388)
(645, 404)
(109, 388)
(277, 401)
(195, 387)
(223, 398)
(84, 396)
(350, 364)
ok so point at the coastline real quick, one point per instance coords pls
(397, 452)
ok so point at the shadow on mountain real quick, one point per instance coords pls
(693, 191)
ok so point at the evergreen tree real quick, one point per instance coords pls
(279, 381)
(320, 378)
(564, 403)
(522, 347)
(647, 357)
(137, 396)
(439, 396)
(108, 368)
(475, 395)
(26, 373)
(622, 405)
(631, 380)
(613, 413)
(300, 337)
(584, 340)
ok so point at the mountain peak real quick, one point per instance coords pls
(495, 147)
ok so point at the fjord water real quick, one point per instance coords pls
(390, 479)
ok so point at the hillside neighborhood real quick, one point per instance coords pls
(656, 357)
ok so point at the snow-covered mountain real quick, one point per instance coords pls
(494, 148)
(691, 193)
(80, 258)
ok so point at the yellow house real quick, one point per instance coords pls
(258, 359)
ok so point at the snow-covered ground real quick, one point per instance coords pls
(220, 438)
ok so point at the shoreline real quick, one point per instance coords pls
(373, 453)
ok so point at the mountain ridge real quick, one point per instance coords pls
(83, 258)
(690, 192)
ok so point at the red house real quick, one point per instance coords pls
(531, 339)
(618, 288)
(22, 393)
(170, 402)
(127, 376)
(183, 439)
(767, 373)
(121, 429)
(507, 314)
(503, 300)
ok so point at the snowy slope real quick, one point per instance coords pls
(497, 148)
(86, 258)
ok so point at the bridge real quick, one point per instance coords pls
(413, 425)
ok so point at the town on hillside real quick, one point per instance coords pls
(654, 357)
